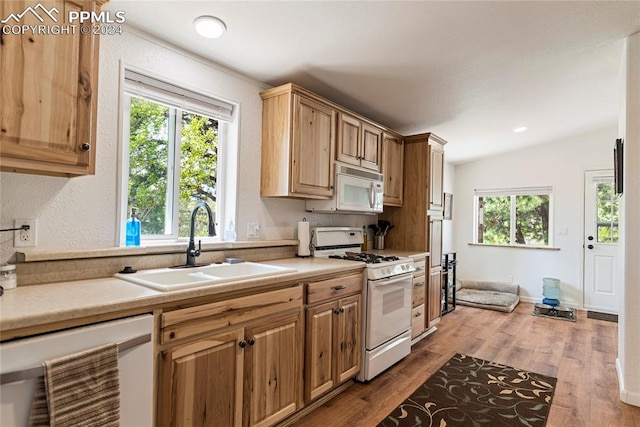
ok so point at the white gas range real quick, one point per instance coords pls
(386, 297)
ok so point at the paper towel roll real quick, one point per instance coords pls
(303, 238)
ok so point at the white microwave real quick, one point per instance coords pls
(357, 190)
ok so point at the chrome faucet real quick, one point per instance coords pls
(192, 252)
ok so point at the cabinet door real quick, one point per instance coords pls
(319, 349)
(435, 241)
(393, 169)
(436, 156)
(371, 156)
(273, 379)
(312, 148)
(434, 298)
(48, 95)
(201, 382)
(348, 338)
(349, 139)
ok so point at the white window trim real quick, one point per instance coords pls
(228, 152)
(512, 193)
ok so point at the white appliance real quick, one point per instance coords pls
(357, 190)
(21, 363)
(386, 297)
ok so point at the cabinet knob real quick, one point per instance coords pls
(336, 311)
(242, 344)
(85, 146)
(251, 341)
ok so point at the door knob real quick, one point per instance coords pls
(589, 246)
(590, 238)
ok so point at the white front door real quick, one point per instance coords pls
(601, 208)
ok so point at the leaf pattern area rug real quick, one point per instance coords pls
(467, 391)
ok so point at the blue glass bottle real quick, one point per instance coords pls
(133, 230)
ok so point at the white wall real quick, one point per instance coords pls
(628, 333)
(448, 226)
(81, 213)
(560, 164)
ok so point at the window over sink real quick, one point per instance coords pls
(175, 146)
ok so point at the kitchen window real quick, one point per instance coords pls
(174, 148)
(514, 217)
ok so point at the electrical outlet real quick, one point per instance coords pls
(25, 238)
(253, 230)
(510, 278)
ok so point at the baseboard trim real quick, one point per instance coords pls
(598, 315)
(297, 416)
(626, 396)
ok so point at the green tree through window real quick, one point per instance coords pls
(513, 219)
(173, 163)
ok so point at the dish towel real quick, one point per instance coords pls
(81, 389)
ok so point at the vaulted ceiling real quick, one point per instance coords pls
(470, 72)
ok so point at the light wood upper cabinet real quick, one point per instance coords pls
(359, 143)
(298, 143)
(436, 159)
(393, 168)
(48, 95)
(423, 167)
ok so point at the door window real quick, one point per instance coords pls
(607, 213)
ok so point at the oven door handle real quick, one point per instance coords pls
(395, 279)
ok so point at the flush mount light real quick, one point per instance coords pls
(520, 129)
(209, 26)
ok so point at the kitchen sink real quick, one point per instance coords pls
(169, 279)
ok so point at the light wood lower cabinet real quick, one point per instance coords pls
(234, 363)
(192, 393)
(333, 335)
(434, 298)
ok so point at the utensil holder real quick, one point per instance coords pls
(378, 242)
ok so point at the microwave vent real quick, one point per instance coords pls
(346, 170)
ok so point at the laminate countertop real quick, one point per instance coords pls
(27, 310)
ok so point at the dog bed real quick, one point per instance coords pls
(497, 296)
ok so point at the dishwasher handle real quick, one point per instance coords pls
(38, 371)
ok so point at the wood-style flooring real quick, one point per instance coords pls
(581, 355)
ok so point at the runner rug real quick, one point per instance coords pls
(467, 391)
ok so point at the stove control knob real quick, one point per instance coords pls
(404, 267)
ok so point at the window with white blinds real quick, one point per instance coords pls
(166, 93)
(173, 157)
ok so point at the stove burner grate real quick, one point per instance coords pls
(368, 258)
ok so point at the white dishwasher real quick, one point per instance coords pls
(21, 362)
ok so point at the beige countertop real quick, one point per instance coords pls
(32, 308)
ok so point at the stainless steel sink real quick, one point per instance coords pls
(169, 279)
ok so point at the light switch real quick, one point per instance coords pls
(563, 231)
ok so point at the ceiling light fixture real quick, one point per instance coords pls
(209, 26)
(520, 129)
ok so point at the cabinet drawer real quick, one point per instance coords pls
(333, 288)
(417, 321)
(419, 290)
(195, 320)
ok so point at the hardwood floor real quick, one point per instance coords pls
(581, 355)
